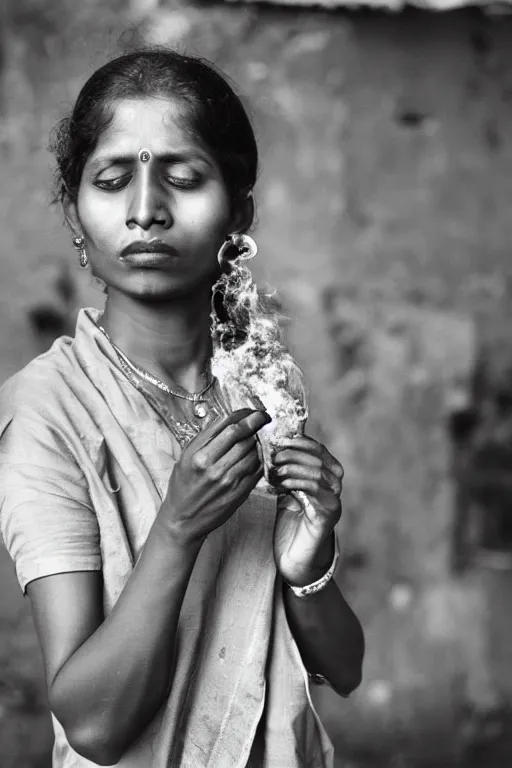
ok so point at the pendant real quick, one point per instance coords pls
(200, 409)
(184, 431)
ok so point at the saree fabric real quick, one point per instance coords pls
(85, 461)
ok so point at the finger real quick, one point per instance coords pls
(233, 434)
(290, 503)
(249, 483)
(230, 435)
(237, 453)
(314, 449)
(320, 500)
(243, 477)
(298, 477)
(296, 456)
(231, 476)
(260, 450)
(300, 472)
(219, 425)
(290, 458)
(247, 466)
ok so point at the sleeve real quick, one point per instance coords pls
(46, 519)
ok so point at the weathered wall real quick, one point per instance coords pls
(383, 221)
(45, 49)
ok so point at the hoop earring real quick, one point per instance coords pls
(79, 244)
(244, 245)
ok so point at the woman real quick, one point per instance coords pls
(166, 593)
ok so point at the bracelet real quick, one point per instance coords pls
(316, 586)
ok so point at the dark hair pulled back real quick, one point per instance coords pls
(214, 114)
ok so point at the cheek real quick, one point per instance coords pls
(206, 216)
(98, 219)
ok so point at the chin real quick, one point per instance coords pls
(158, 289)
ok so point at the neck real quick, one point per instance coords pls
(171, 340)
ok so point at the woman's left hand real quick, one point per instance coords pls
(303, 542)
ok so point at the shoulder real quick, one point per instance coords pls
(41, 436)
(36, 390)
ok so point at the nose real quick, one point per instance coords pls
(147, 204)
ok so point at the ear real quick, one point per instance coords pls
(71, 215)
(243, 215)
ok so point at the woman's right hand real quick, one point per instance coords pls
(217, 471)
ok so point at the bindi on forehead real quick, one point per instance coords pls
(114, 154)
(151, 125)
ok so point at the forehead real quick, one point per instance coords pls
(156, 123)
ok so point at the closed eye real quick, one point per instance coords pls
(120, 182)
(181, 182)
(112, 185)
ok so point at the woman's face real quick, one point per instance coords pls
(172, 194)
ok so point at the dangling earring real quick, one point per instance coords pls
(79, 244)
(244, 246)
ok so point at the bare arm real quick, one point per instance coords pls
(326, 630)
(328, 634)
(107, 677)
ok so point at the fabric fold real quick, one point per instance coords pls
(85, 461)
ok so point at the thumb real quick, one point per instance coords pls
(289, 503)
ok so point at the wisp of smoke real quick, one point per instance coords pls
(253, 366)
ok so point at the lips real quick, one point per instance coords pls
(149, 252)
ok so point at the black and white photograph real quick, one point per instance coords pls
(256, 384)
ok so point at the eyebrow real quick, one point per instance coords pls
(166, 157)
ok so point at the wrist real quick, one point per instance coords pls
(176, 537)
(316, 569)
(317, 577)
(323, 561)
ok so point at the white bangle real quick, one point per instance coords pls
(316, 586)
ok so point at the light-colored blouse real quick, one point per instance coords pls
(85, 460)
